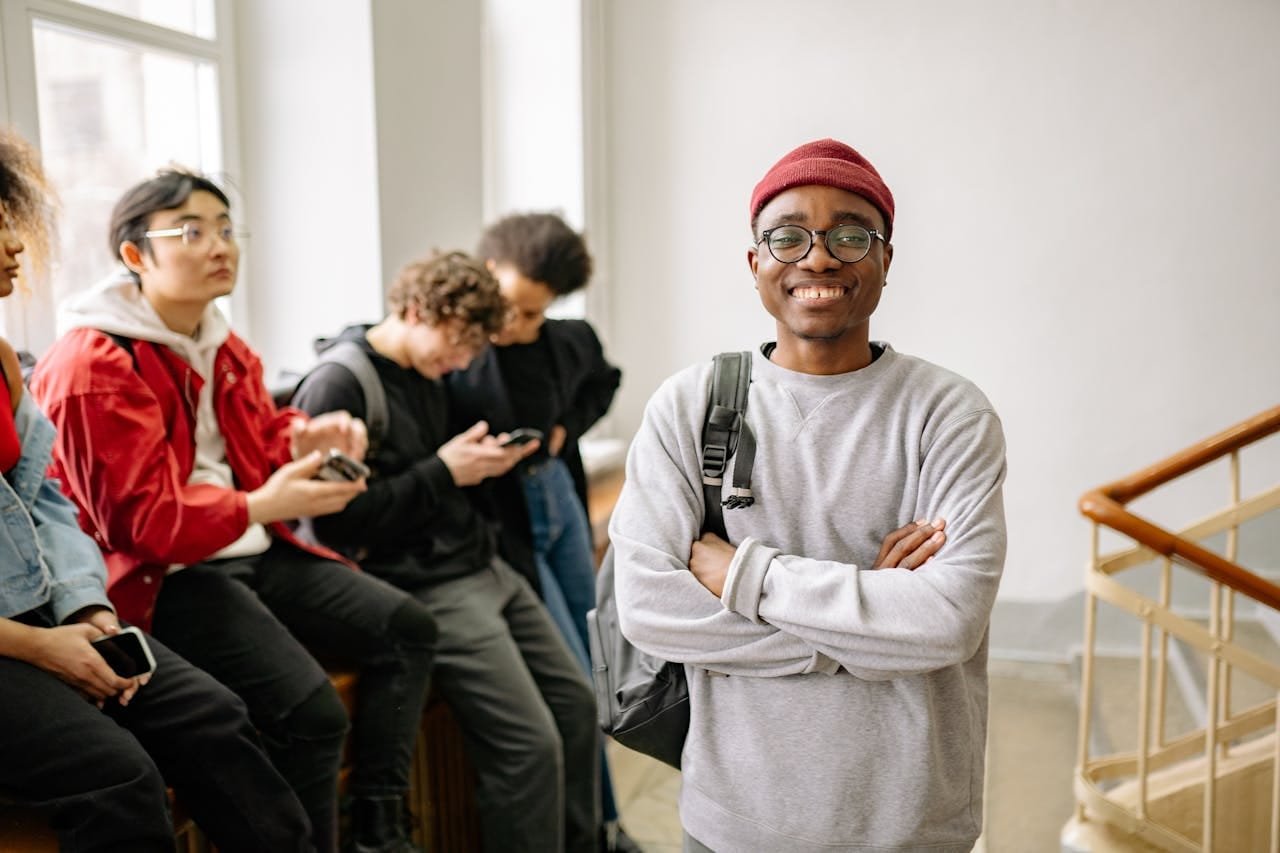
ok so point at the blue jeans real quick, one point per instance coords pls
(566, 569)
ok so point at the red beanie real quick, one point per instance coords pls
(828, 163)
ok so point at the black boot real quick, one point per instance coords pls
(378, 826)
(614, 840)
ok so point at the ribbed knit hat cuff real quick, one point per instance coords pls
(848, 170)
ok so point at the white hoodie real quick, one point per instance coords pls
(116, 306)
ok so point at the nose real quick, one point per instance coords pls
(819, 258)
(12, 243)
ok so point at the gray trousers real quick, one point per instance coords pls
(526, 710)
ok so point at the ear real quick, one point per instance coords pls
(753, 261)
(131, 255)
(888, 257)
(490, 264)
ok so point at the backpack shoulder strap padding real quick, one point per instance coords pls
(350, 355)
(724, 433)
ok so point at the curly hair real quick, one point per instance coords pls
(446, 287)
(542, 247)
(30, 204)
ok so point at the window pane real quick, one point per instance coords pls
(188, 16)
(112, 113)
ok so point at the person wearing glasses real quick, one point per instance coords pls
(187, 476)
(836, 645)
(550, 375)
(526, 709)
(90, 747)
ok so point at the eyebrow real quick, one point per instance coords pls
(840, 216)
(191, 217)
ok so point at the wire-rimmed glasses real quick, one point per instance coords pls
(196, 235)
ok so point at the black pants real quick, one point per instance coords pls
(246, 621)
(101, 774)
(526, 710)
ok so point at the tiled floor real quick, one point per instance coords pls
(647, 791)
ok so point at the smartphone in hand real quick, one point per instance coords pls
(339, 467)
(127, 653)
(524, 435)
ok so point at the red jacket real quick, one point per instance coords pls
(126, 447)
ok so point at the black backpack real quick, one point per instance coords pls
(642, 701)
(351, 356)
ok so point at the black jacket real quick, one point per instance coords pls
(583, 377)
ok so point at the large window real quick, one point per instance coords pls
(110, 91)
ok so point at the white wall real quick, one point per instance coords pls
(427, 70)
(1086, 211)
(361, 134)
(310, 179)
(533, 115)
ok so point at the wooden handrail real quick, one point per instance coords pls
(1105, 505)
(1229, 440)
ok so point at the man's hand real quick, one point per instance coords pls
(911, 546)
(709, 561)
(329, 431)
(555, 441)
(474, 455)
(292, 492)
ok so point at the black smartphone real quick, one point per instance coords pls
(127, 653)
(524, 435)
(340, 467)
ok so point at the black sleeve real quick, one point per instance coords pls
(393, 509)
(595, 390)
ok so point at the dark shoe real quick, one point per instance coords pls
(614, 840)
(378, 826)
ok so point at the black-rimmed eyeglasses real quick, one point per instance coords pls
(848, 244)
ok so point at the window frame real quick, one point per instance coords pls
(34, 316)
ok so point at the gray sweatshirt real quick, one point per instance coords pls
(834, 707)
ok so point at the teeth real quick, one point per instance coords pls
(816, 292)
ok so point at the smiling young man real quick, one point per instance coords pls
(836, 646)
(185, 474)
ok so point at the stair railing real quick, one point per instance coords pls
(1117, 789)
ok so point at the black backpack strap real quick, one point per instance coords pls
(126, 344)
(350, 355)
(724, 433)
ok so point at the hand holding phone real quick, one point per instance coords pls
(522, 436)
(127, 652)
(339, 467)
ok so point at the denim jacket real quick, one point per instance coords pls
(44, 555)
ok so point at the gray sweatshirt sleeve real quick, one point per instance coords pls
(886, 623)
(662, 608)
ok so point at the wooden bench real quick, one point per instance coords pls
(442, 782)
(25, 830)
